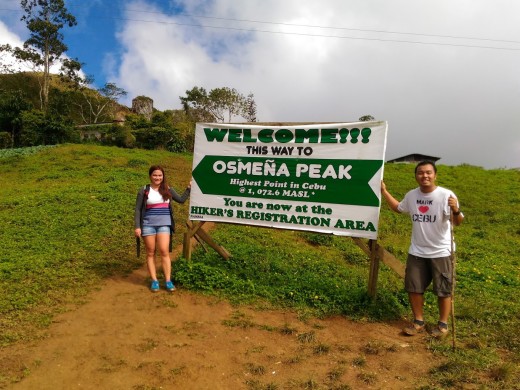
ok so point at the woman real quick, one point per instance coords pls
(154, 222)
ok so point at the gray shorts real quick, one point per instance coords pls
(420, 272)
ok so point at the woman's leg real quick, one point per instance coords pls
(149, 243)
(163, 244)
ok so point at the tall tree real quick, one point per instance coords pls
(226, 101)
(45, 19)
(249, 109)
(218, 105)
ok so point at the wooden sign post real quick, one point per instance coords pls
(195, 234)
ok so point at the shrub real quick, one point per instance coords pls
(5, 140)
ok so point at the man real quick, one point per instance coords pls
(430, 208)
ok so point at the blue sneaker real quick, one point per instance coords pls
(154, 287)
(169, 286)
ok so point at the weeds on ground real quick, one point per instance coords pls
(288, 330)
(368, 378)
(335, 374)
(255, 369)
(321, 349)
(307, 337)
(359, 361)
(239, 319)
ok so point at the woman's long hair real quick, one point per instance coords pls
(164, 189)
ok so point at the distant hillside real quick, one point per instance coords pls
(62, 94)
(27, 82)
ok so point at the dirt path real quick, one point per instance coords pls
(125, 337)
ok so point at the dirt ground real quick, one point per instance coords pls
(125, 337)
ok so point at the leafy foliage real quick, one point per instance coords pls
(218, 105)
(12, 104)
(41, 129)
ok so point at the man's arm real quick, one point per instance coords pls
(392, 202)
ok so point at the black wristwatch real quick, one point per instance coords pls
(456, 212)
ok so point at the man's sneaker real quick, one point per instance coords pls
(415, 328)
(154, 287)
(440, 331)
(169, 286)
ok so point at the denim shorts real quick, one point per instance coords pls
(153, 230)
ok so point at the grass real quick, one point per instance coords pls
(67, 222)
(66, 216)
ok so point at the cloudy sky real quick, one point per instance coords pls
(444, 74)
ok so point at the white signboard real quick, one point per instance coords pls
(316, 177)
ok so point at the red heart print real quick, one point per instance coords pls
(423, 209)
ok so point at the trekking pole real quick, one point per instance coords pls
(453, 263)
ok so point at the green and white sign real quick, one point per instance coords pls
(320, 177)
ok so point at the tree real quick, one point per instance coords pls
(218, 104)
(197, 105)
(41, 129)
(45, 19)
(225, 100)
(12, 104)
(249, 111)
(100, 103)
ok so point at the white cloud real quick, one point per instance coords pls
(444, 99)
(9, 37)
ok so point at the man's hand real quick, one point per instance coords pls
(453, 203)
(392, 202)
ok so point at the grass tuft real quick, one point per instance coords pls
(368, 378)
(308, 337)
(255, 369)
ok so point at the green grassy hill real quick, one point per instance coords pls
(65, 99)
(28, 83)
(67, 211)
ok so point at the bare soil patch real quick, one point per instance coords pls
(125, 337)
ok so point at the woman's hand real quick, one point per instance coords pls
(137, 232)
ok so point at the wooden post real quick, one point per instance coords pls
(378, 253)
(195, 234)
(374, 269)
(186, 246)
(386, 257)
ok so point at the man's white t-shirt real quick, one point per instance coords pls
(430, 215)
